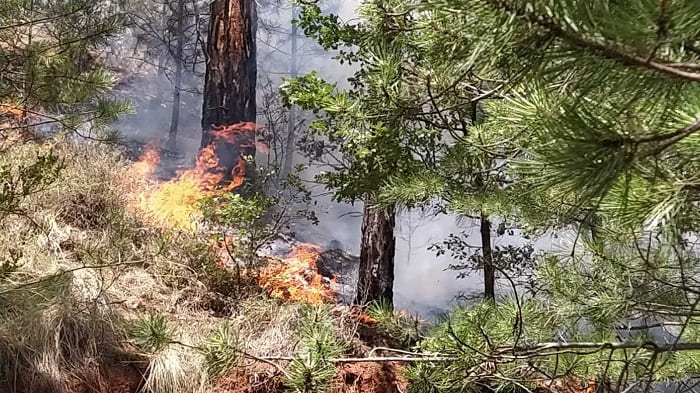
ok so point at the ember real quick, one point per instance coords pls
(360, 315)
(174, 203)
(296, 277)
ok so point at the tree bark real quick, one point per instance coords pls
(376, 277)
(179, 48)
(292, 119)
(231, 73)
(487, 253)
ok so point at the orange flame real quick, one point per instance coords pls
(174, 203)
(296, 277)
(147, 162)
(12, 109)
(360, 315)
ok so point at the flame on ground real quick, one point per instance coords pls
(296, 277)
(175, 203)
(360, 315)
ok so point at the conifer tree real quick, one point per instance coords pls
(407, 135)
(594, 135)
(602, 100)
(230, 81)
(51, 83)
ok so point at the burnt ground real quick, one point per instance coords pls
(360, 377)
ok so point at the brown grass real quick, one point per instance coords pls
(77, 269)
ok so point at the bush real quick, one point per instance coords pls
(310, 370)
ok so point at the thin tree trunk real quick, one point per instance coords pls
(376, 278)
(179, 46)
(156, 103)
(485, 229)
(231, 74)
(487, 253)
(291, 121)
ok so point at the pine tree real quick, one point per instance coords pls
(594, 135)
(230, 82)
(51, 84)
(407, 136)
(229, 90)
(602, 100)
(169, 37)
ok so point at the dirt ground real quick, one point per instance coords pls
(362, 377)
(371, 377)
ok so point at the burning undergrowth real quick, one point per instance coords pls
(174, 203)
(297, 277)
(220, 172)
(308, 273)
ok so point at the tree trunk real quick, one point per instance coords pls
(179, 46)
(231, 74)
(292, 119)
(376, 278)
(487, 253)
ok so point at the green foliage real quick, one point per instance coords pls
(222, 351)
(405, 328)
(608, 113)
(310, 370)
(251, 220)
(19, 181)
(246, 215)
(51, 84)
(567, 116)
(328, 30)
(515, 261)
(152, 333)
(196, 261)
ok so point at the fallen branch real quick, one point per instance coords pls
(394, 359)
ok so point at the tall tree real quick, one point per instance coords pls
(230, 85)
(376, 274)
(290, 143)
(603, 100)
(231, 73)
(168, 37)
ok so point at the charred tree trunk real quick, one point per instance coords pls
(231, 74)
(376, 279)
(179, 49)
(228, 112)
(292, 119)
(487, 253)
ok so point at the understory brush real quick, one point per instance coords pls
(87, 288)
(77, 269)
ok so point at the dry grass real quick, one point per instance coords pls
(176, 370)
(52, 336)
(77, 269)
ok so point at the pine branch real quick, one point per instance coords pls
(674, 137)
(42, 20)
(599, 48)
(537, 349)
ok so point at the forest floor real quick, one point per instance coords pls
(82, 272)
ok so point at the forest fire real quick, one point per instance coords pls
(360, 315)
(296, 277)
(174, 203)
